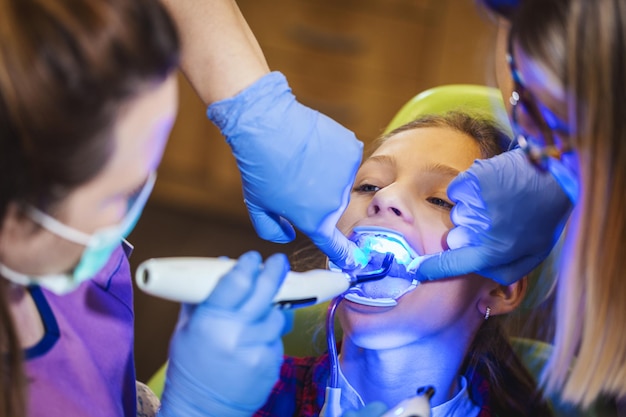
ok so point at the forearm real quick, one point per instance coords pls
(220, 55)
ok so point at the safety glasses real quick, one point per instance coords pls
(544, 145)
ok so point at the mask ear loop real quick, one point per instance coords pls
(73, 235)
(14, 277)
(50, 223)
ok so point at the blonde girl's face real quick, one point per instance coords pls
(403, 187)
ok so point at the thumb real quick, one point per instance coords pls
(270, 226)
(450, 263)
(340, 250)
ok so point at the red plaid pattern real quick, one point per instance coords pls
(302, 386)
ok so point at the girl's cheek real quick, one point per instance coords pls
(434, 238)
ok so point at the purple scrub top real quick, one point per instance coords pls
(84, 364)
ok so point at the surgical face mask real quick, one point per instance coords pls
(99, 246)
(376, 242)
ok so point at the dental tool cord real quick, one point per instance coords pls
(332, 345)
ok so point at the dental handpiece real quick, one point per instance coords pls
(192, 279)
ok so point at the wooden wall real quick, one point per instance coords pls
(357, 61)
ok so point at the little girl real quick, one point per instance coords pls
(442, 333)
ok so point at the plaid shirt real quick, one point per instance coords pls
(301, 389)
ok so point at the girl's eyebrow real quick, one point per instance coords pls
(440, 169)
(431, 168)
(383, 160)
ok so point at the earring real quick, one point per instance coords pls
(487, 313)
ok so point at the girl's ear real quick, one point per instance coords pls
(502, 299)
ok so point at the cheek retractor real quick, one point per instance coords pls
(376, 242)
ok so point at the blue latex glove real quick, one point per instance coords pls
(297, 165)
(508, 217)
(375, 409)
(226, 352)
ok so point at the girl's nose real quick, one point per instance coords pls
(389, 202)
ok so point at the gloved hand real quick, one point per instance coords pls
(508, 217)
(297, 165)
(375, 409)
(226, 352)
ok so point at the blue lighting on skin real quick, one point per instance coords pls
(385, 244)
(376, 242)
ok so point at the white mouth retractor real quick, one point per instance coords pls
(376, 242)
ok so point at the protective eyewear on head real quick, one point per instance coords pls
(545, 151)
(543, 146)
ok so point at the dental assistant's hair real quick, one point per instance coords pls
(583, 43)
(66, 69)
(513, 392)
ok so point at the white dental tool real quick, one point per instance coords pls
(191, 280)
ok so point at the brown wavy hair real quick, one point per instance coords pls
(66, 66)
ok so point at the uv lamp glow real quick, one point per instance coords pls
(376, 242)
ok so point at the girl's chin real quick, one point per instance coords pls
(384, 293)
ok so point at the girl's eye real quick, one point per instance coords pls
(366, 188)
(440, 202)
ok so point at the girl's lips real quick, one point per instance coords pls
(402, 230)
(376, 242)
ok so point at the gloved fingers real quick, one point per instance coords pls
(470, 216)
(266, 286)
(228, 332)
(471, 259)
(450, 263)
(340, 250)
(267, 330)
(270, 226)
(466, 188)
(462, 236)
(185, 313)
(375, 409)
(235, 287)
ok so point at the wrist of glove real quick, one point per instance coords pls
(205, 402)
